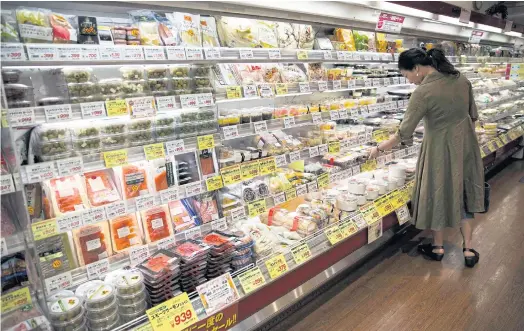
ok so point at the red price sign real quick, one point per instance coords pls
(390, 23)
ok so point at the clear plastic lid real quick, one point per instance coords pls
(114, 142)
(113, 126)
(165, 133)
(164, 120)
(99, 297)
(201, 82)
(133, 308)
(181, 83)
(82, 89)
(191, 250)
(65, 309)
(158, 84)
(86, 129)
(82, 289)
(103, 320)
(200, 70)
(77, 75)
(132, 72)
(134, 87)
(52, 132)
(139, 138)
(179, 70)
(131, 298)
(139, 125)
(110, 86)
(87, 145)
(129, 283)
(103, 312)
(54, 150)
(156, 71)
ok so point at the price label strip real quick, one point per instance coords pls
(370, 213)
(174, 314)
(334, 235)
(256, 208)
(13, 300)
(214, 183)
(251, 280)
(277, 266)
(231, 175)
(301, 253)
(383, 205)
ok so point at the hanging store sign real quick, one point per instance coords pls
(476, 36)
(389, 23)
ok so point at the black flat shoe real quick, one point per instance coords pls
(471, 260)
(427, 250)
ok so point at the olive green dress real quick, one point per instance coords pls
(450, 174)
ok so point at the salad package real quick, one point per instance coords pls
(244, 32)
(33, 24)
(364, 41)
(188, 26)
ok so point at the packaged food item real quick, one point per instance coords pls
(33, 24)
(188, 26)
(205, 205)
(105, 37)
(191, 250)
(167, 31)
(181, 83)
(364, 41)
(163, 173)
(66, 310)
(111, 86)
(129, 283)
(92, 243)
(55, 255)
(99, 297)
(8, 28)
(101, 189)
(118, 32)
(64, 28)
(180, 216)
(208, 26)
(87, 26)
(244, 32)
(14, 271)
(67, 194)
(294, 73)
(149, 34)
(133, 34)
(77, 75)
(156, 223)
(156, 71)
(134, 180)
(125, 232)
(81, 291)
(132, 72)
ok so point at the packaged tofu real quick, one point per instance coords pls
(156, 223)
(92, 243)
(188, 26)
(134, 180)
(101, 188)
(125, 232)
(67, 194)
(208, 26)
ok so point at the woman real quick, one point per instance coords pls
(449, 183)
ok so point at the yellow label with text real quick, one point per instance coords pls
(370, 213)
(115, 158)
(301, 253)
(290, 194)
(397, 199)
(256, 208)
(205, 142)
(505, 139)
(154, 151)
(369, 165)
(116, 107)
(15, 299)
(251, 280)
(277, 266)
(267, 166)
(383, 205)
(231, 175)
(334, 146)
(44, 229)
(281, 88)
(233, 92)
(334, 234)
(482, 154)
(348, 228)
(249, 170)
(174, 314)
(492, 146)
(302, 55)
(214, 183)
(499, 142)
(323, 180)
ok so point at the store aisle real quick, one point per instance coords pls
(410, 293)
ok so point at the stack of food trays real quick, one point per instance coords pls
(131, 294)
(67, 314)
(243, 252)
(220, 257)
(161, 276)
(102, 308)
(193, 255)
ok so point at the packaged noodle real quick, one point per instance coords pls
(134, 180)
(157, 223)
(345, 36)
(92, 243)
(67, 194)
(101, 188)
(188, 26)
(208, 26)
(125, 232)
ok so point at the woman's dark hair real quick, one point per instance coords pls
(434, 57)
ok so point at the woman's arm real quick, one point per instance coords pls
(473, 113)
(415, 112)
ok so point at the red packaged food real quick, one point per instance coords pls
(191, 250)
(157, 223)
(125, 232)
(134, 181)
(92, 243)
(101, 188)
(67, 194)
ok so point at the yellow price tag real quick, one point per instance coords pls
(44, 229)
(302, 55)
(513, 134)
(499, 142)
(505, 139)
(249, 170)
(267, 166)
(383, 205)
(370, 213)
(231, 175)
(323, 180)
(116, 107)
(291, 194)
(379, 135)
(492, 146)
(333, 234)
(115, 158)
(397, 199)
(348, 228)
(251, 280)
(214, 183)
(256, 208)
(281, 88)
(334, 146)
(370, 165)
(174, 314)
(233, 92)
(276, 266)
(205, 142)
(154, 151)
(5, 124)
(301, 253)
(482, 154)
(15, 299)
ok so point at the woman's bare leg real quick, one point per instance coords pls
(438, 240)
(467, 233)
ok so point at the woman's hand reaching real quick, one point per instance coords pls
(373, 153)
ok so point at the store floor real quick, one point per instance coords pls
(405, 292)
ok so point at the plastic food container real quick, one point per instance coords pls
(133, 299)
(132, 72)
(11, 76)
(104, 311)
(157, 223)
(139, 125)
(77, 75)
(182, 91)
(118, 32)
(85, 130)
(206, 115)
(188, 115)
(138, 138)
(16, 91)
(201, 82)
(55, 150)
(110, 86)
(125, 232)
(181, 83)
(179, 71)
(114, 142)
(81, 290)
(191, 250)
(92, 243)
(200, 70)
(135, 86)
(186, 130)
(106, 327)
(113, 127)
(103, 320)
(129, 317)
(133, 308)
(66, 310)
(87, 145)
(82, 89)
(164, 132)
(129, 283)
(206, 127)
(156, 72)
(158, 85)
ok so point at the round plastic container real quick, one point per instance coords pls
(82, 289)
(104, 312)
(100, 297)
(104, 319)
(78, 323)
(66, 310)
(130, 283)
(108, 326)
(129, 317)
(131, 299)
(133, 308)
